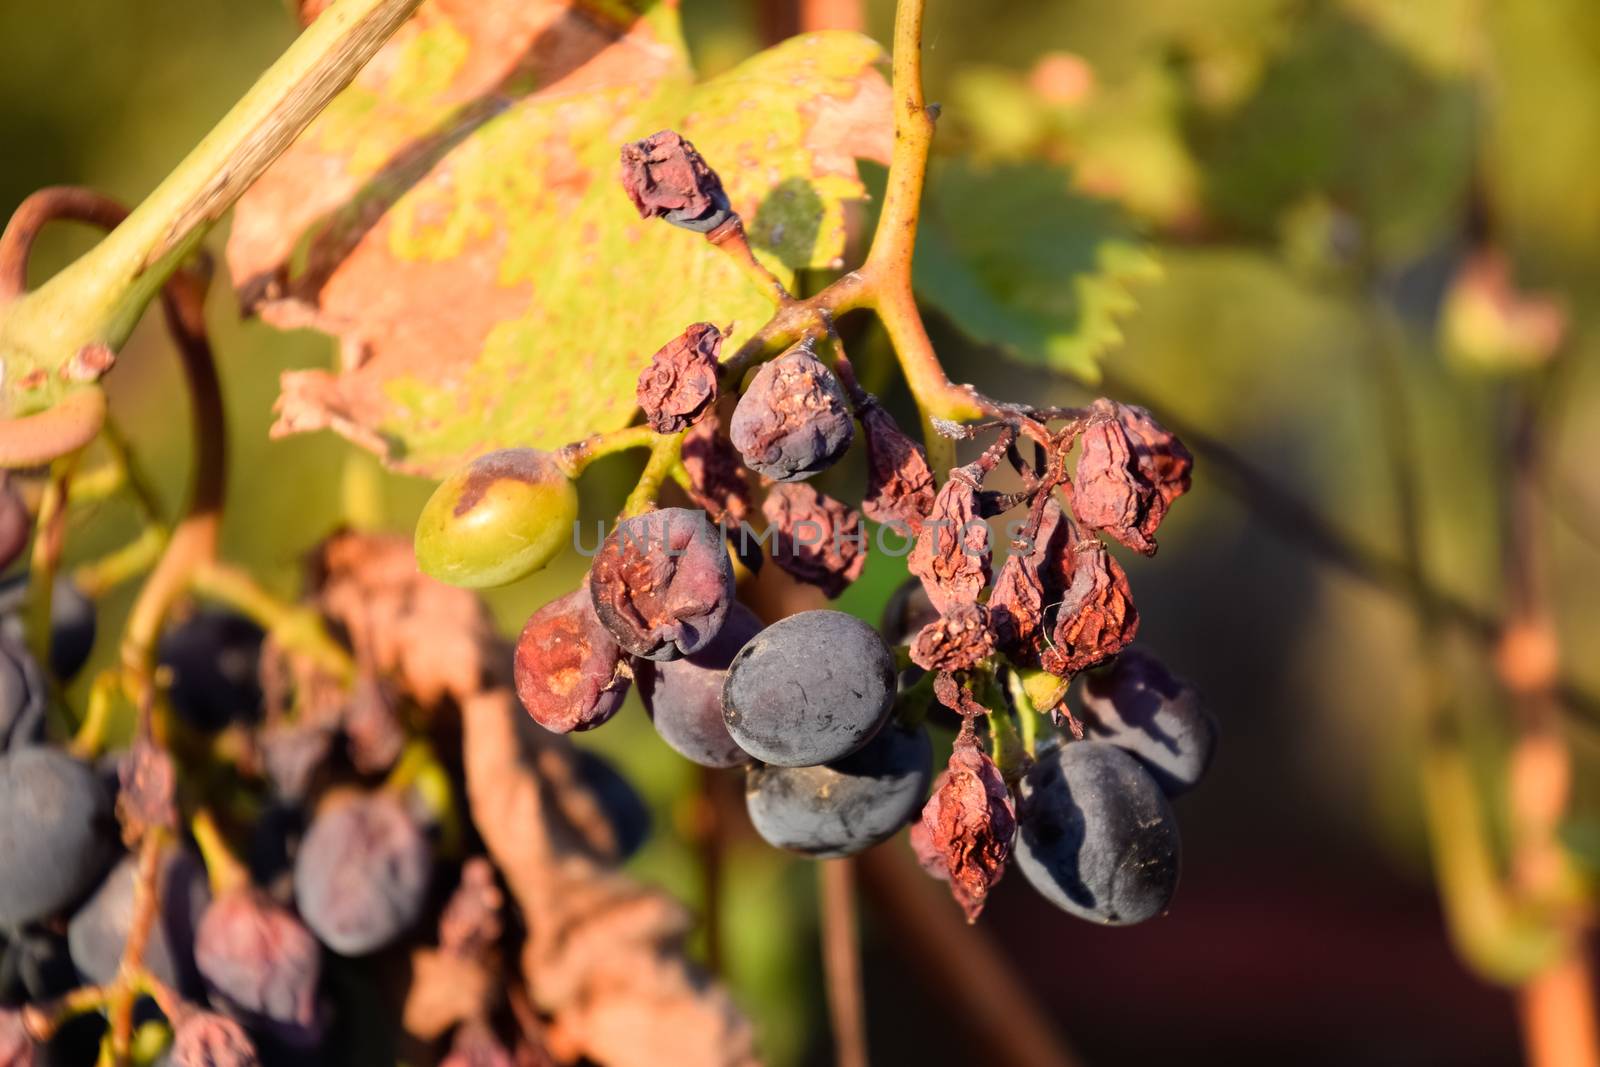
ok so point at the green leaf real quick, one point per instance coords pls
(456, 219)
(1014, 257)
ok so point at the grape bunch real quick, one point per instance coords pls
(829, 719)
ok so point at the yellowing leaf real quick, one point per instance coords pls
(456, 220)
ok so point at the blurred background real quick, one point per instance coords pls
(1343, 247)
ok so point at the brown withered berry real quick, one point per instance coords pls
(951, 554)
(968, 825)
(680, 385)
(793, 419)
(1129, 472)
(1097, 618)
(261, 964)
(569, 672)
(900, 487)
(718, 482)
(958, 640)
(662, 583)
(667, 179)
(817, 539)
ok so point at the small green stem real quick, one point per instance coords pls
(223, 868)
(665, 454)
(49, 540)
(420, 771)
(575, 458)
(1027, 714)
(97, 577)
(90, 739)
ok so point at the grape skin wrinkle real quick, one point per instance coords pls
(845, 807)
(1096, 835)
(809, 689)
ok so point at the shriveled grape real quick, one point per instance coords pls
(261, 963)
(1096, 835)
(844, 807)
(793, 419)
(684, 696)
(500, 518)
(662, 583)
(569, 672)
(361, 877)
(809, 689)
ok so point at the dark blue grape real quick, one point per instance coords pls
(1137, 705)
(56, 832)
(72, 629)
(34, 965)
(22, 695)
(97, 933)
(844, 807)
(909, 609)
(213, 657)
(362, 874)
(684, 696)
(1096, 835)
(810, 689)
(624, 809)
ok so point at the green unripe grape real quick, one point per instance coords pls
(501, 517)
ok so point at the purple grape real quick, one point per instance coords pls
(684, 696)
(56, 832)
(361, 878)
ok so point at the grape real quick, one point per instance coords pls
(72, 629)
(97, 933)
(214, 658)
(72, 622)
(624, 810)
(56, 832)
(206, 1039)
(569, 672)
(22, 695)
(847, 806)
(500, 518)
(260, 963)
(662, 583)
(362, 874)
(684, 697)
(810, 689)
(1096, 835)
(1138, 706)
(793, 419)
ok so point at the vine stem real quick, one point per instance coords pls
(98, 298)
(841, 961)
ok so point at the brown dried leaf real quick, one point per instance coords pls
(1097, 618)
(679, 386)
(951, 555)
(429, 636)
(969, 823)
(900, 485)
(446, 989)
(817, 539)
(604, 955)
